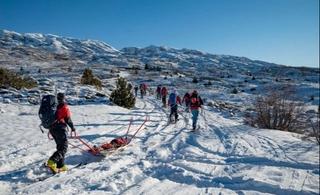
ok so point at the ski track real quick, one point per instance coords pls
(223, 156)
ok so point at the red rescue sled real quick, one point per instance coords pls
(108, 147)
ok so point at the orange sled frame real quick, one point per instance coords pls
(108, 147)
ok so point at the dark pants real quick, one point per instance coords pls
(187, 106)
(59, 135)
(174, 111)
(187, 103)
(164, 101)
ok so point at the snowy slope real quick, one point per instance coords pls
(54, 43)
(224, 157)
(41, 50)
(188, 59)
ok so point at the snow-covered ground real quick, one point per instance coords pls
(224, 157)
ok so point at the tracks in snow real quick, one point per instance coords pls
(225, 154)
(216, 155)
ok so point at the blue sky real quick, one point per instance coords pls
(280, 31)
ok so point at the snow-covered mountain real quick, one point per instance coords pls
(51, 53)
(55, 44)
(40, 50)
(32, 48)
(42, 47)
(189, 58)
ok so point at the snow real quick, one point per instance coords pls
(224, 157)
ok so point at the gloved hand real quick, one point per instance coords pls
(73, 133)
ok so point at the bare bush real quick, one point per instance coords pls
(89, 79)
(316, 129)
(9, 78)
(278, 110)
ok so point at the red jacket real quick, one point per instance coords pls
(195, 102)
(164, 91)
(63, 113)
(178, 100)
(144, 86)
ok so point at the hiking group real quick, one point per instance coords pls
(192, 102)
(143, 90)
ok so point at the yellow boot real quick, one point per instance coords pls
(63, 168)
(52, 166)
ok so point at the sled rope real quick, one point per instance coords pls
(77, 147)
(129, 128)
(134, 135)
(91, 149)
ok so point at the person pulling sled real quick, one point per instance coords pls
(56, 118)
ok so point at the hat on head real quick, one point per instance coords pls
(174, 90)
(60, 97)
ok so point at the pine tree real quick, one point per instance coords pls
(122, 95)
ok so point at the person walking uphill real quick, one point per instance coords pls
(143, 90)
(173, 101)
(186, 100)
(195, 104)
(59, 134)
(136, 90)
(164, 93)
(158, 91)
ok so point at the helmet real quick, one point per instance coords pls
(195, 92)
